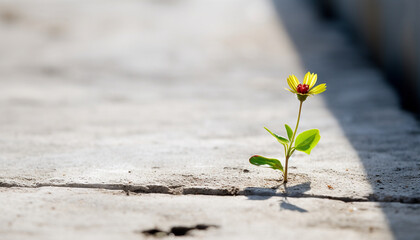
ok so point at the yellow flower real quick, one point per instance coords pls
(307, 87)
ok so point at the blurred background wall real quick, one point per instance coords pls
(390, 31)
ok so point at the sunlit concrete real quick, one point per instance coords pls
(172, 97)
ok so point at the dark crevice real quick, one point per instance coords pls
(229, 191)
(176, 230)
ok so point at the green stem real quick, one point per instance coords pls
(285, 171)
(290, 152)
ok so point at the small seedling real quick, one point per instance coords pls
(306, 140)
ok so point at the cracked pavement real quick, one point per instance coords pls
(165, 101)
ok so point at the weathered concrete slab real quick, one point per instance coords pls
(172, 96)
(62, 213)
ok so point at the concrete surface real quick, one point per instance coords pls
(171, 97)
(105, 214)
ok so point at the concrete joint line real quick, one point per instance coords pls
(229, 191)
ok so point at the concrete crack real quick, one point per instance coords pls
(203, 190)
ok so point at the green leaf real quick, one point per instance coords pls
(307, 140)
(270, 162)
(289, 131)
(281, 140)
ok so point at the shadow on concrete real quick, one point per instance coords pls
(294, 190)
(345, 69)
(282, 190)
(286, 205)
(259, 197)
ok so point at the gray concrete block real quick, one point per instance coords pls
(172, 97)
(51, 213)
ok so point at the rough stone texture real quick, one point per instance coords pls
(103, 214)
(118, 96)
(172, 96)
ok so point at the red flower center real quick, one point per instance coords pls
(302, 88)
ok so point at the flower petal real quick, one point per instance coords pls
(307, 78)
(296, 80)
(313, 80)
(290, 83)
(318, 89)
(293, 82)
(290, 90)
